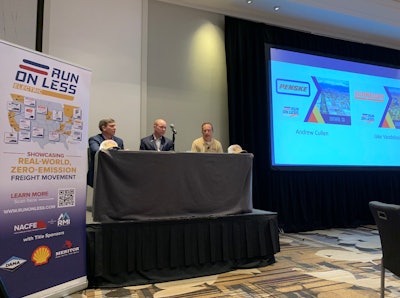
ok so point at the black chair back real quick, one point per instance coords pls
(387, 219)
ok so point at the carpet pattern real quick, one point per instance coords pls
(324, 264)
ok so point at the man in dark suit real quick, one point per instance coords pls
(157, 141)
(108, 129)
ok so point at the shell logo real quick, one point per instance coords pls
(41, 255)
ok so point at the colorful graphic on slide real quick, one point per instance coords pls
(331, 104)
(391, 116)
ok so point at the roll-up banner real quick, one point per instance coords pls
(44, 105)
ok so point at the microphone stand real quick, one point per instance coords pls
(173, 137)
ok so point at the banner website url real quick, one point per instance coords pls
(28, 209)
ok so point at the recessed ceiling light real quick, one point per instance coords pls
(276, 8)
(249, 1)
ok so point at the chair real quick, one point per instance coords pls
(387, 219)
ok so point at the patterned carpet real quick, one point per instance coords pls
(323, 264)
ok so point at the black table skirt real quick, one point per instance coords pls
(140, 252)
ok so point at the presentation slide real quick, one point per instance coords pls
(332, 113)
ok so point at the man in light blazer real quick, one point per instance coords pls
(157, 141)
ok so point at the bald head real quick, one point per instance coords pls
(160, 126)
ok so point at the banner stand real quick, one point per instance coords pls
(44, 108)
(62, 290)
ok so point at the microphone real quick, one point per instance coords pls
(173, 129)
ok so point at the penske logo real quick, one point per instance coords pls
(291, 87)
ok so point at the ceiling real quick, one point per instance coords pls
(367, 21)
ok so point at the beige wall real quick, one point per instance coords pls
(18, 22)
(149, 60)
(106, 38)
(186, 72)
